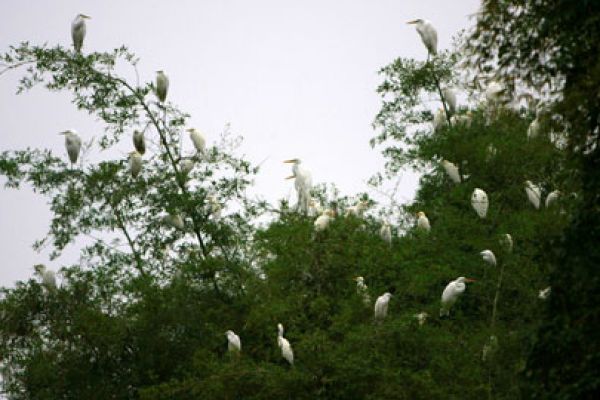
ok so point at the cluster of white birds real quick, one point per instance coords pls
(234, 344)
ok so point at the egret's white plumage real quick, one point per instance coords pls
(462, 119)
(439, 120)
(506, 241)
(452, 171)
(162, 86)
(48, 276)
(385, 232)
(534, 193)
(450, 99)
(381, 305)
(494, 92)
(423, 222)
(362, 290)
(135, 163)
(421, 317)
(545, 293)
(233, 341)
(214, 206)
(73, 144)
(284, 345)
(358, 209)
(174, 221)
(552, 197)
(139, 142)
(186, 166)
(314, 208)
(323, 220)
(479, 201)
(302, 184)
(197, 139)
(489, 257)
(78, 30)
(534, 128)
(451, 293)
(428, 34)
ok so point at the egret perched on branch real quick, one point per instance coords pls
(489, 257)
(450, 99)
(284, 345)
(174, 221)
(135, 163)
(78, 31)
(552, 197)
(186, 166)
(162, 86)
(534, 193)
(197, 139)
(233, 341)
(72, 143)
(534, 128)
(423, 222)
(428, 35)
(358, 209)
(421, 317)
(323, 220)
(545, 293)
(439, 120)
(452, 171)
(302, 184)
(479, 201)
(362, 290)
(47, 275)
(381, 305)
(506, 241)
(385, 232)
(451, 293)
(139, 142)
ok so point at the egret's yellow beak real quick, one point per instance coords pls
(86, 16)
(290, 161)
(470, 280)
(414, 21)
(291, 177)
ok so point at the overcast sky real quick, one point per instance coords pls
(294, 78)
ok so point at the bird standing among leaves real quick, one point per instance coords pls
(449, 99)
(452, 292)
(358, 209)
(534, 194)
(552, 197)
(479, 201)
(423, 222)
(73, 144)
(135, 163)
(489, 257)
(47, 275)
(385, 232)
(233, 341)
(302, 184)
(381, 305)
(506, 241)
(452, 171)
(197, 139)
(139, 142)
(78, 31)
(284, 345)
(162, 86)
(323, 220)
(428, 35)
(362, 290)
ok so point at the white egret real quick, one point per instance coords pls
(78, 31)
(452, 292)
(452, 171)
(139, 142)
(506, 241)
(186, 166)
(48, 276)
(489, 257)
(494, 92)
(421, 317)
(197, 139)
(302, 184)
(174, 221)
(362, 290)
(545, 293)
(322, 222)
(450, 99)
(72, 143)
(534, 128)
(357, 209)
(479, 201)
(423, 222)
(534, 194)
(135, 163)
(284, 345)
(381, 305)
(314, 208)
(162, 86)
(552, 197)
(385, 232)
(439, 120)
(428, 34)
(233, 342)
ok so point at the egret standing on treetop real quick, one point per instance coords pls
(233, 341)
(423, 222)
(78, 31)
(479, 201)
(139, 142)
(162, 86)
(452, 171)
(439, 120)
(323, 220)
(72, 143)
(451, 293)
(303, 184)
(489, 257)
(534, 194)
(450, 99)
(47, 275)
(135, 163)
(381, 305)
(428, 35)
(284, 345)
(197, 139)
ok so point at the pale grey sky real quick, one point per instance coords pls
(294, 78)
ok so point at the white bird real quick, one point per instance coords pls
(462, 119)
(302, 184)
(385, 232)
(381, 305)
(428, 34)
(439, 120)
(214, 206)
(135, 163)
(174, 221)
(452, 171)
(450, 99)
(534, 193)
(421, 317)
(162, 86)
(358, 209)
(506, 240)
(323, 220)
(139, 142)
(197, 139)
(545, 293)
(72, 143)
(423, 222)
(48, 276)
(186, 166)
(552, 197)
(451, 293)
(534, 128)
(78, 31)
(233, 341)
(489, 257)
(284, 345)
(479, 201)
(314, 208)
(494, 92)
(362, 290)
